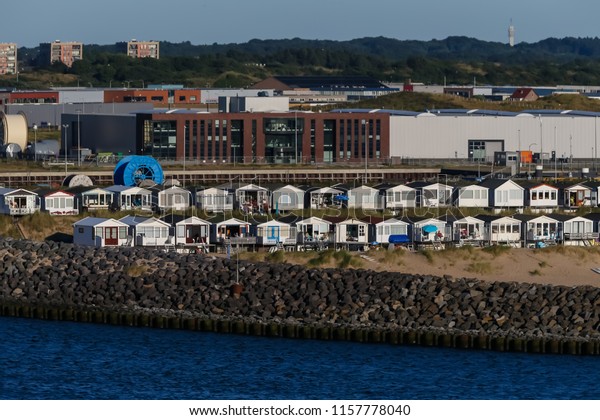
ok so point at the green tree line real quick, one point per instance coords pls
(454, 60)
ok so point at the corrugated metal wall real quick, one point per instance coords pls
(444, 137)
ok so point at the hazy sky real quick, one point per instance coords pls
(30, 22)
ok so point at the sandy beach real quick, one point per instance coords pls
(568, 266)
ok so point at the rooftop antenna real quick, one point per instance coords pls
(511, 34)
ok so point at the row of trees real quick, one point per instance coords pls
(455, 60)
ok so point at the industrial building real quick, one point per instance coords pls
(390, 136)
(477, 134)
(265, 137)
(350, 87)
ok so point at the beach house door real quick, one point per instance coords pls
(111, 236)
(273, 233)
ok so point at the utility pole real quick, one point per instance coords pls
(65, 126)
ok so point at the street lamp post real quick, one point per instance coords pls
(65, 126)
(541, 143)
(520, 154)
(35, 127)
(529, 148)
(555, 154)
(78, 139)
(595, 140)
(296, 137)
(184, 151)
(366, 151)
(571, 152)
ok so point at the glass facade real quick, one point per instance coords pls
(283, 139)
(270, 139)
(160, 140)
(329, 143)
(237, 143)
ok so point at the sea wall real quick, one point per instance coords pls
(146, 287)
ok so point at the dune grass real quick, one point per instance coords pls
(480, 267)
(137, 270)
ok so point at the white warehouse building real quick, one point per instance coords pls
(477, 134)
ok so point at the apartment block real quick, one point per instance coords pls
(8, 58)
(65, 52)
(143, 49)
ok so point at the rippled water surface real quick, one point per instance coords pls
(62, 360)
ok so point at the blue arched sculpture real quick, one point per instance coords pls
(131, 170)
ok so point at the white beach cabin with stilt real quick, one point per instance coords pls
(364, 197)
(314, 233)
(471, 196)
(233, 231)
(540, 197)
(192, 231)
(253, 199)
(275, 233)
(395, 228)
(287, 198)
(96, 199)
(147, 231)
(174, 198)
(539, 231)
(131, 198)
(400, 197)
(352, 233)
(326, 197)
(577, 230)
(501, 230)
(504, 194)
(429, 230)
(60, 203)
(18, 202)
(214, 200)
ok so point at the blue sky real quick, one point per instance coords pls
(30, 22)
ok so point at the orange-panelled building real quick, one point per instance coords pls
(32, 97)
(278, 137)
(159, 97)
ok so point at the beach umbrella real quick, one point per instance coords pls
(430, 228)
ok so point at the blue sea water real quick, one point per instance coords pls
(63, 360)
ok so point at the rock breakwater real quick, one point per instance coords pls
(146, 287)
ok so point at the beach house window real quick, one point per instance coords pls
(467, 194)
(408, 195)
(361, 230)
(398, 230)
(534, 195)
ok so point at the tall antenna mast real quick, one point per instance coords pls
(511, 34)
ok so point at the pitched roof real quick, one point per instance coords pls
(521, 93)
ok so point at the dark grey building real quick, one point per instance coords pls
(99, 133)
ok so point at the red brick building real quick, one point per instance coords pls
(285, 137)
